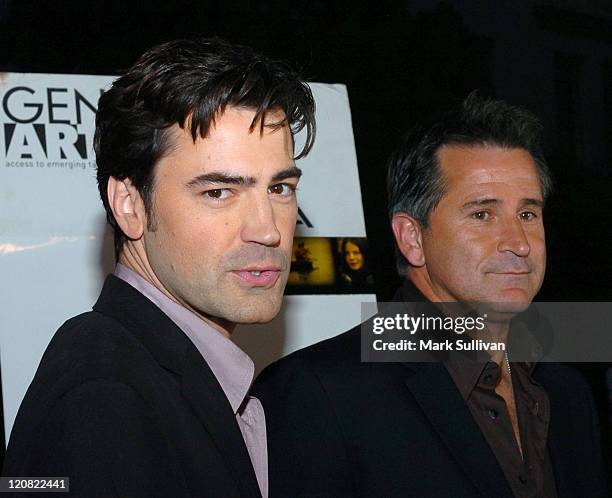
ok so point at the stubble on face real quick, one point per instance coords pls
(224, 212)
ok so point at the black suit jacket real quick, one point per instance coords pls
(341, 428)
(125, 405)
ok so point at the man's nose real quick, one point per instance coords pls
(259, 224)
(514, 239)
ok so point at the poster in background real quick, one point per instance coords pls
(56, 248)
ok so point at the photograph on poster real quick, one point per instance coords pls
(331, 265)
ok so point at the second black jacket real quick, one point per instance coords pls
(341, 428)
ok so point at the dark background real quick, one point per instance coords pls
(401, 62)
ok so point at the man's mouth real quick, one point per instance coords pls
(258, 277)
(513, 271)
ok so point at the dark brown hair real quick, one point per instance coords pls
(188, 82)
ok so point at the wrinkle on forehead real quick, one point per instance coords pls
(478, 168)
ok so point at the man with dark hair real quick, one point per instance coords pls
(466, 198)
(147, 395)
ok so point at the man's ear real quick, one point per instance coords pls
(127, 206)
(409, 237)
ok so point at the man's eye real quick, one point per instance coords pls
(218, 194)
(284, 189)
(528, 216)
(481, 215)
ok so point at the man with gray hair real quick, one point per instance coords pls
(466, 197)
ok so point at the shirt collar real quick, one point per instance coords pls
(469, 371)
(465, 373)
(231, 366)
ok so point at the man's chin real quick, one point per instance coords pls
(255, 318)
(506, 304)
(257, 310)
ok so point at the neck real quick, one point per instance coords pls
(422, 282)
(497, 331)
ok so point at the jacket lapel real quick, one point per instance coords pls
(201, 388)
(443, 405)
(173, 350)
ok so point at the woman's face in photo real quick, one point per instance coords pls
(353, 256)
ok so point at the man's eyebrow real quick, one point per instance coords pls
(292, 172)
(206, 179)
(479, 203)
(219, 177)
(528, 201)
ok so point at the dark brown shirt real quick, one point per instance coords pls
(530, 474)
